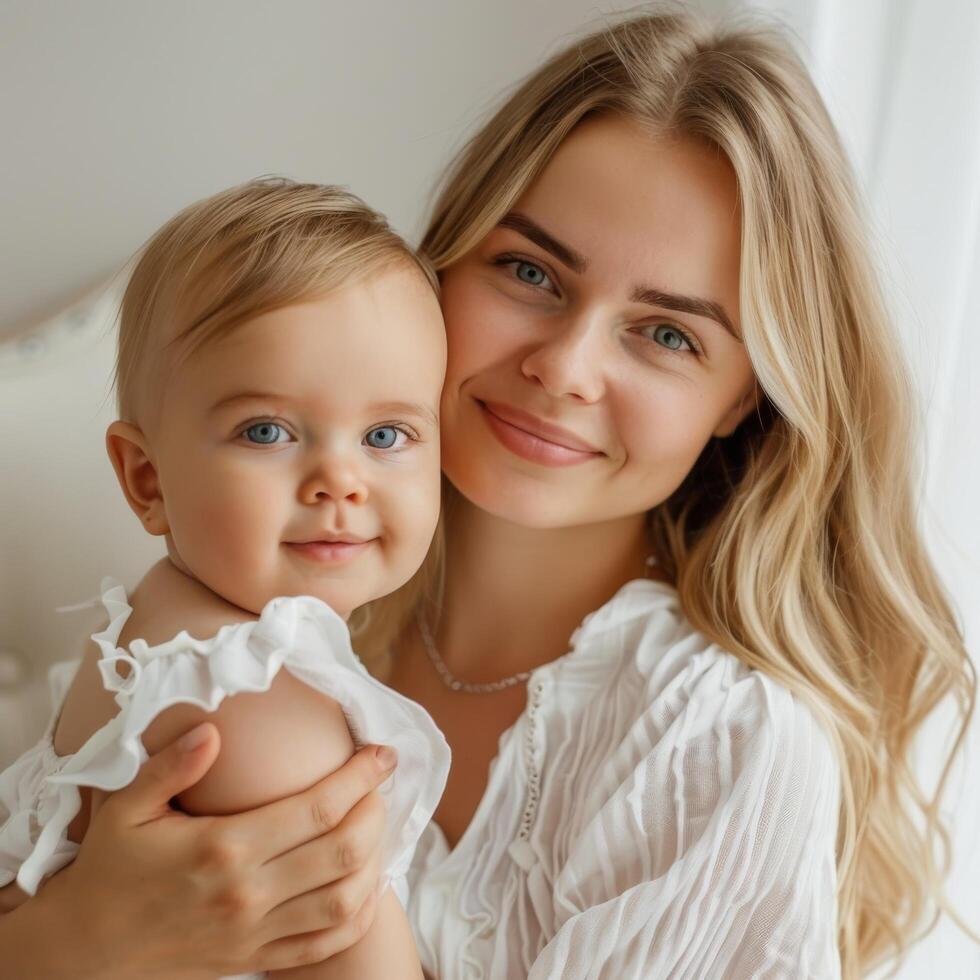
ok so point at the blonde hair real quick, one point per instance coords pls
(245, 251)
(793, 542)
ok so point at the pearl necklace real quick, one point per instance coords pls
(454, 683)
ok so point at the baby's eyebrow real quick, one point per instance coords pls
(425, 412)
(407, 408)
(248, 396)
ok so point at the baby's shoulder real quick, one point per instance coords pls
(161, 631)
(167, 602)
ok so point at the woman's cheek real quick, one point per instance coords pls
(658, 423)
(478, 324)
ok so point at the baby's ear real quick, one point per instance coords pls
(137, 475)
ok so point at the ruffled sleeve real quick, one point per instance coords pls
(298, 633)
(715, 857)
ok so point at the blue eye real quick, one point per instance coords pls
(265, 433)
(527, 273)
(530, 273)
(384, 437)
(671, 338)
(673, 334)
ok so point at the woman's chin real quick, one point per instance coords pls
(516, 498)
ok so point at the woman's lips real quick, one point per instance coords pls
(529, 445)
(329, 552)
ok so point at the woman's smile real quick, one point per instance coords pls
(533, 438)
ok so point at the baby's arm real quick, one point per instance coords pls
(273, 745)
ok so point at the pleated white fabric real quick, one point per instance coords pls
(658, 811)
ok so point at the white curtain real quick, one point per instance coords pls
(902, 80)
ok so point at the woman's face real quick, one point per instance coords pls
(593, 346)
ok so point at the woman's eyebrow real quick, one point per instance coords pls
(531, 230)
(685, 304)
(577, 262)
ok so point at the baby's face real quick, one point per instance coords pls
(299, 455)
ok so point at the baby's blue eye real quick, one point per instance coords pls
(265, 433)
(382, 437)
(530, 273)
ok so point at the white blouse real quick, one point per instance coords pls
(659, 810)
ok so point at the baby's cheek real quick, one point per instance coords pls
(415, 519)
(234, 524)
(235, 549)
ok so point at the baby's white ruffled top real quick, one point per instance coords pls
(39, 793)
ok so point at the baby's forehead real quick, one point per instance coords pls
(331, 355)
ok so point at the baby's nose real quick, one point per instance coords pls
(333, 480)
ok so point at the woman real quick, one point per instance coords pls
(676, 429)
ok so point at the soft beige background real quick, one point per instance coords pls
(116, 113)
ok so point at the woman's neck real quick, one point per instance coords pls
(514, 595)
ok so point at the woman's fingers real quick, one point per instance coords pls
(313, 947)
(344, 851)
(330, 906)
(212, 884)
(279, 827)
(164, 775)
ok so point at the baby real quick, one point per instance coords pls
(281, 355)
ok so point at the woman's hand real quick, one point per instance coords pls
(154, 892)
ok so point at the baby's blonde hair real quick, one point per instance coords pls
(256, 247)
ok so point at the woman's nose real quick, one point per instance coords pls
(333, 479)
(568, 361)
